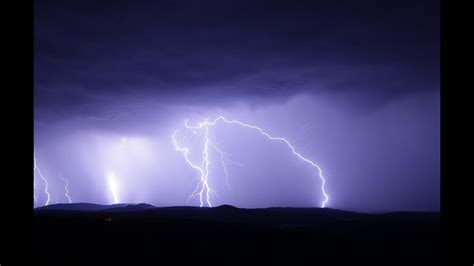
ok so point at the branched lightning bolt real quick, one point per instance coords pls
(203, 189)
(66, 188)
(36, 168)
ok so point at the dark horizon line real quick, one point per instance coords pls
(151, 206)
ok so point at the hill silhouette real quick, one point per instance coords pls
(134, 234)
(94, 207)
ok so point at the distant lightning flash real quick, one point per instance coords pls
(66, 188)
(203, 189)
(36, 168)
(112, 182)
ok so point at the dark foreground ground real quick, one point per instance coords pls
(87, 234)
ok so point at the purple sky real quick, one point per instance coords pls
(353, 85)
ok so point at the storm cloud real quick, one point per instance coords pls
(354, 84)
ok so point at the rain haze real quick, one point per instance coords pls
(352, 85)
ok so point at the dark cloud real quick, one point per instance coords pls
(88, 50)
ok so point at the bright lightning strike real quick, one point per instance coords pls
(203, 189)
(66, 188)
(36, 169)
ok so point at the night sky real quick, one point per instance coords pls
(353, 85)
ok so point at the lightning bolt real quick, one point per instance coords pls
(66, 188)
(203, 189)
(36, 168)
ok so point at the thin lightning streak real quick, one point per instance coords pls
(224, 159)
(66, 188)
(34, 191)
(185, 152)
(226, 173)
(43, 178)
(205, 172)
